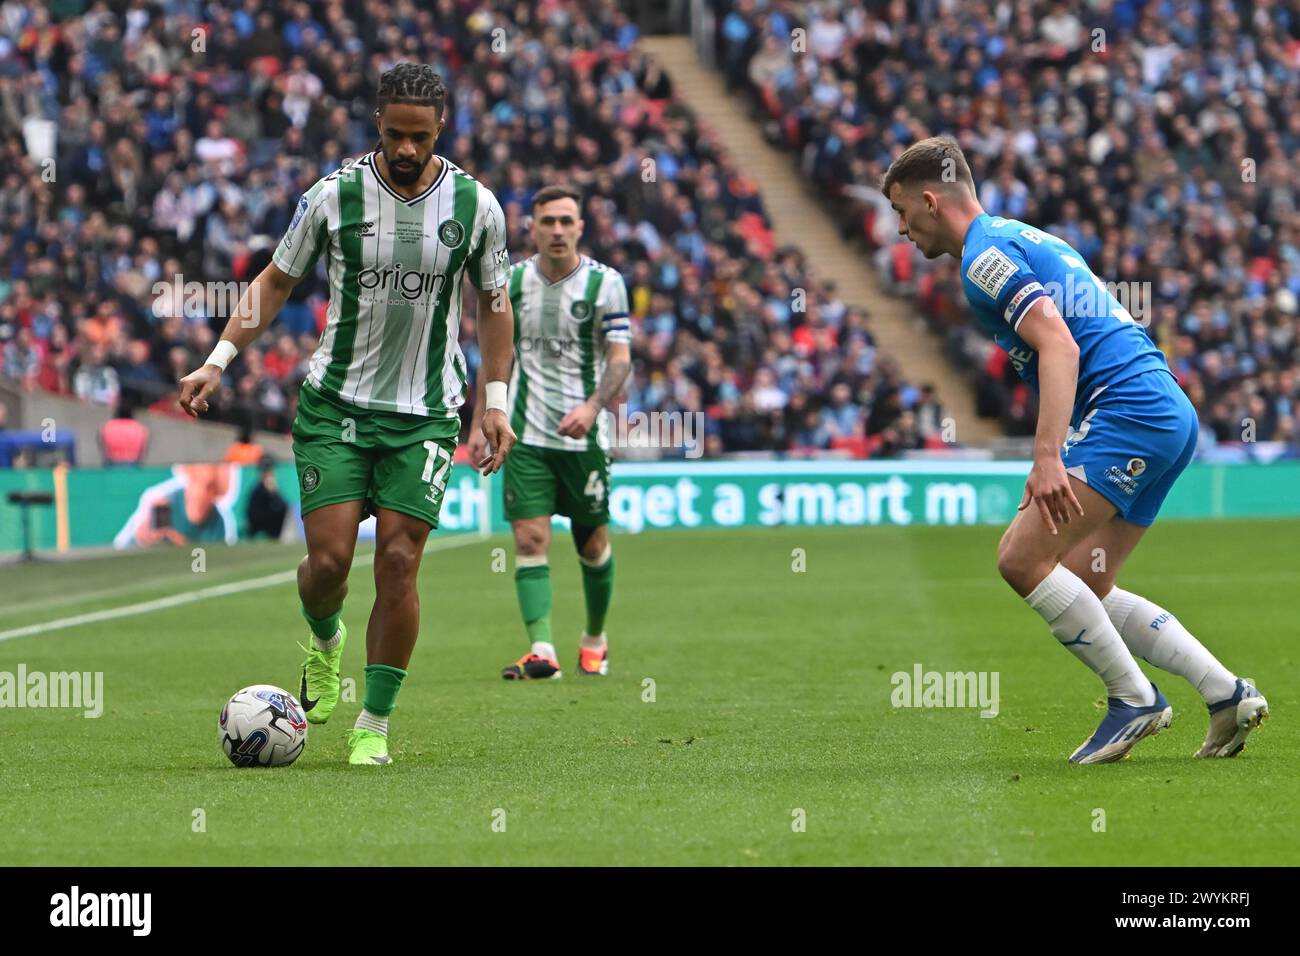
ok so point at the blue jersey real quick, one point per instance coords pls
(1007, 266)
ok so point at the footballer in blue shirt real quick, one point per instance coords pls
(1114, 432)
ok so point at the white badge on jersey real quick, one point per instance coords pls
(990, 270)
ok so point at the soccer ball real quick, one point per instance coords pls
(262, 726)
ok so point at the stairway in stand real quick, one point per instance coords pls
(799, 219)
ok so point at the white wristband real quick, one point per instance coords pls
(222, 354)
(495, 394)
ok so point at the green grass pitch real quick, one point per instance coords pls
(771, 695)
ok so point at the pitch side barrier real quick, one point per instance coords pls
(136, 507)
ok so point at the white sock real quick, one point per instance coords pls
(329, 645)
(1079, 621)
(594, 643)
(545, 649)
(1153, 633)
(368, 721)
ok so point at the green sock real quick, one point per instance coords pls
(383, 681)
(324, 627)
(533, 588)
(598, 587)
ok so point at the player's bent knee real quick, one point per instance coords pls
(530, 546)
(1008, 567)
(594, 551)
(328, 568)
(1023, 572)
(1006, 558)
(531, 540)
(590, 540)
(396, 567)
(1004, 542)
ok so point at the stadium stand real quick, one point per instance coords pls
(179, 135)
(1144, 135)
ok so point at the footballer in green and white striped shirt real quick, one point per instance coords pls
(572, 355)
(395, 266)
(399, 230)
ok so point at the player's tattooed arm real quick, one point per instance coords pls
(618, 362)
(579, 420)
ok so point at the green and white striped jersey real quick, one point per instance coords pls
(391, 339)
(561, 330)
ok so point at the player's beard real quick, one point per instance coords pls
(406, 175)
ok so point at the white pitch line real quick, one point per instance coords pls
(203, 594)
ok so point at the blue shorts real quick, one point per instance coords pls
(1133, 441)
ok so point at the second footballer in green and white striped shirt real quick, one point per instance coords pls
(572, 356)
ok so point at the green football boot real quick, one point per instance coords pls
(367, 748)
(320, 679)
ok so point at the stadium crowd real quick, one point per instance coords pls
(151, 144)
(1156, 137)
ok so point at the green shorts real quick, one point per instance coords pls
(386, 459)
(544, 481)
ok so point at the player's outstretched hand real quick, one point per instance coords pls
(578, 421)
(500, 439)
(1048, 486)
(196, 387)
